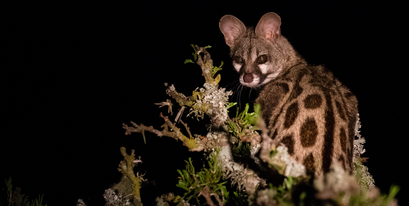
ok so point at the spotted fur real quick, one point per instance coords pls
(305, 107)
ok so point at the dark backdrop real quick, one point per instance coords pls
(73, 72)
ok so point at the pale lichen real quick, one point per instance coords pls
(126, 168)
(285, 164)
(244, 178)
(359, 141)
(337, 184)
(112, 198)
(225, 133)
(363, 177)
(213, 101)
(361, 173)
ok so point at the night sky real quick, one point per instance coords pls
(73, 72)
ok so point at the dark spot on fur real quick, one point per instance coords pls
(352, 111)
(289, 143)
(274, 135)
(296, 92)
(312, 101)
(285, 87)
(291, 115)
(340, 111)
(343, 139)
(309, 132)
(328, 148)
(309, 164)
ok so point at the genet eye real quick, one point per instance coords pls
(238, 60)
(262, 59)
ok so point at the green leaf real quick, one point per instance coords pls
(216, 69)
(188, 61)
(192, 168)
(288, 182)
(392, 192)
(230, 105)
(186, 175)
(180, 172)
(182, 185)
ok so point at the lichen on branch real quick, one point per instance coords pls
(240, 138)
(126, 167)
(174, 132)
(209, 100)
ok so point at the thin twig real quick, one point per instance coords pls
(180, 113)
(176, 134)
(187, 129)
(167, 103)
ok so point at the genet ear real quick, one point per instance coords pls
(231, 27)
(269, 26)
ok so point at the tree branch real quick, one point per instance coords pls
(126, 167)
(206, 194)
(175, 133)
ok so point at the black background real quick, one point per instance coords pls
(73, 72)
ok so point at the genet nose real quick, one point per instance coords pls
(248, 77)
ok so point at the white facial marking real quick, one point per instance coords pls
(263, 68)
(237, 66)
(271, 76)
